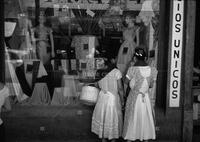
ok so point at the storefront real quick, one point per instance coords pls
(58, 45)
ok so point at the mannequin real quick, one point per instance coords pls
(44, 33)
(131, 41)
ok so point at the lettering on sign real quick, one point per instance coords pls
(176, 53)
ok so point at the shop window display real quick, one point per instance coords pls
(80, 36)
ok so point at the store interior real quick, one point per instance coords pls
(80, 37)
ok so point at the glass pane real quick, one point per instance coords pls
(55, 48)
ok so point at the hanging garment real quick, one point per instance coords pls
(12, 81)
(126, 50)
(28, 73)
(69, 88)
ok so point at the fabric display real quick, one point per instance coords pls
(65, 65)
(59, 98)
(87, 64)
(85, 46)
(114, 22)
(73, 64)
(28, 73)
(87, 74)
(11, 79)
(69, 88)
(40, 95)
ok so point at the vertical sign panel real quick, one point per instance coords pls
(176, 53)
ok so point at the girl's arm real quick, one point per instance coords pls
(121, 91)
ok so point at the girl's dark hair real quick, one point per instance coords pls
(140, 53)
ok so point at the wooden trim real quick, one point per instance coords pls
(2, 47)
(187, 122)
(169, 53)
(162, 61)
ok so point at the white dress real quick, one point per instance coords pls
(107, 115)
(138, 121)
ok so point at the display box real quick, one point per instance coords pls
(87, 64)
(85, 46)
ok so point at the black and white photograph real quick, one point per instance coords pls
(99, 71)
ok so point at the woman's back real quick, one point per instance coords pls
(141, 77)
(109, 82)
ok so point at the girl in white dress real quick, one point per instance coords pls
(107, 116)
(138, 121)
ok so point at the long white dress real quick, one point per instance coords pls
(107, 115)
(138, 121)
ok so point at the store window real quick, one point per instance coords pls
(56, 47)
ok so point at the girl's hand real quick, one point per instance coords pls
(143, 96)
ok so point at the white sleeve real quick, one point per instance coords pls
(118, 74)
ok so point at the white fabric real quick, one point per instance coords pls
(4, 93)
(139, 122)
(14, 85)
(40, 95)
(143, 124)
(107, 114)
(41, 71)
(59, 98)
(68, 82)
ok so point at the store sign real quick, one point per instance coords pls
(83, 4)
(176, 53)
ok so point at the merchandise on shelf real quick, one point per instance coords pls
(85, 46)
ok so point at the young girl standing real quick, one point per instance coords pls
(138, 121)
(107, 115)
